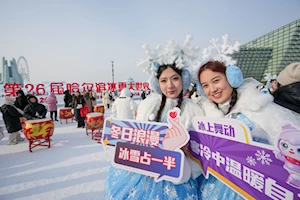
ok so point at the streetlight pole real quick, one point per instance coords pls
(112, 70)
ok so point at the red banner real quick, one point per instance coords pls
(60, 87)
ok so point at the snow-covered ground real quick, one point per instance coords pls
(75, 167)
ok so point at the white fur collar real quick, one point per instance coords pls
(250, 98)
(210, 108)
(224, 107)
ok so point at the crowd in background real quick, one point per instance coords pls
(27, 107)
(251, 102)
(285, 91)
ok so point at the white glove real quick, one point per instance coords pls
(79, 106)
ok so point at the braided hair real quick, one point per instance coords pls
(180, 100)
(233, 99)
(161, 107)
(164, 98)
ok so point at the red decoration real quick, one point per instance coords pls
(131, 86)
(100, 87)
(146, 86)
(57, 87)
(173, 115)
(31, 88)
(42, 100)
(121, 86)
(99, 108)
(87, 86)
(139, 85)
(40, 90)
(65, 113)
(84, 111)
(94, 121)
(38, 132)
(11, 89)
(111, 86)
(73, 87)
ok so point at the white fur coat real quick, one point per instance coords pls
(257, 107)
(147, 111)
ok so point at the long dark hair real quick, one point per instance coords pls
(220, 67)
(164, 98)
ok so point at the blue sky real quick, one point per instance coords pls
(75, 40)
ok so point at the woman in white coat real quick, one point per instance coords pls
(124, 107)
(228, 95)
(103, 98)
(108, 99)
(168, 81)
(155, 108)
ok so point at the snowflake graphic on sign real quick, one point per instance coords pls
(167, 190)
(156, 198)
(173, 193)
(117, 173)
(190, 197)
(251, 160)
(132, 192)
(263, 157)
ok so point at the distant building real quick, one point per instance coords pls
(128, 81)
(270, 53)
(10, 72)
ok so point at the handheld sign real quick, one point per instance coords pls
(149, 148)
(225, 149)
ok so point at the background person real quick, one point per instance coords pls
(34, 110)
(21, 101)
(124, 107)
(288, 91)
(52, 106)
(11, 117)
(68, 99)
(77, 104)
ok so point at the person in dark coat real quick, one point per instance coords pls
(11, 117)
(143, 95)
(77, 103)
(21, 101)
(34, 110)
(288, 92)
(68, 99)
